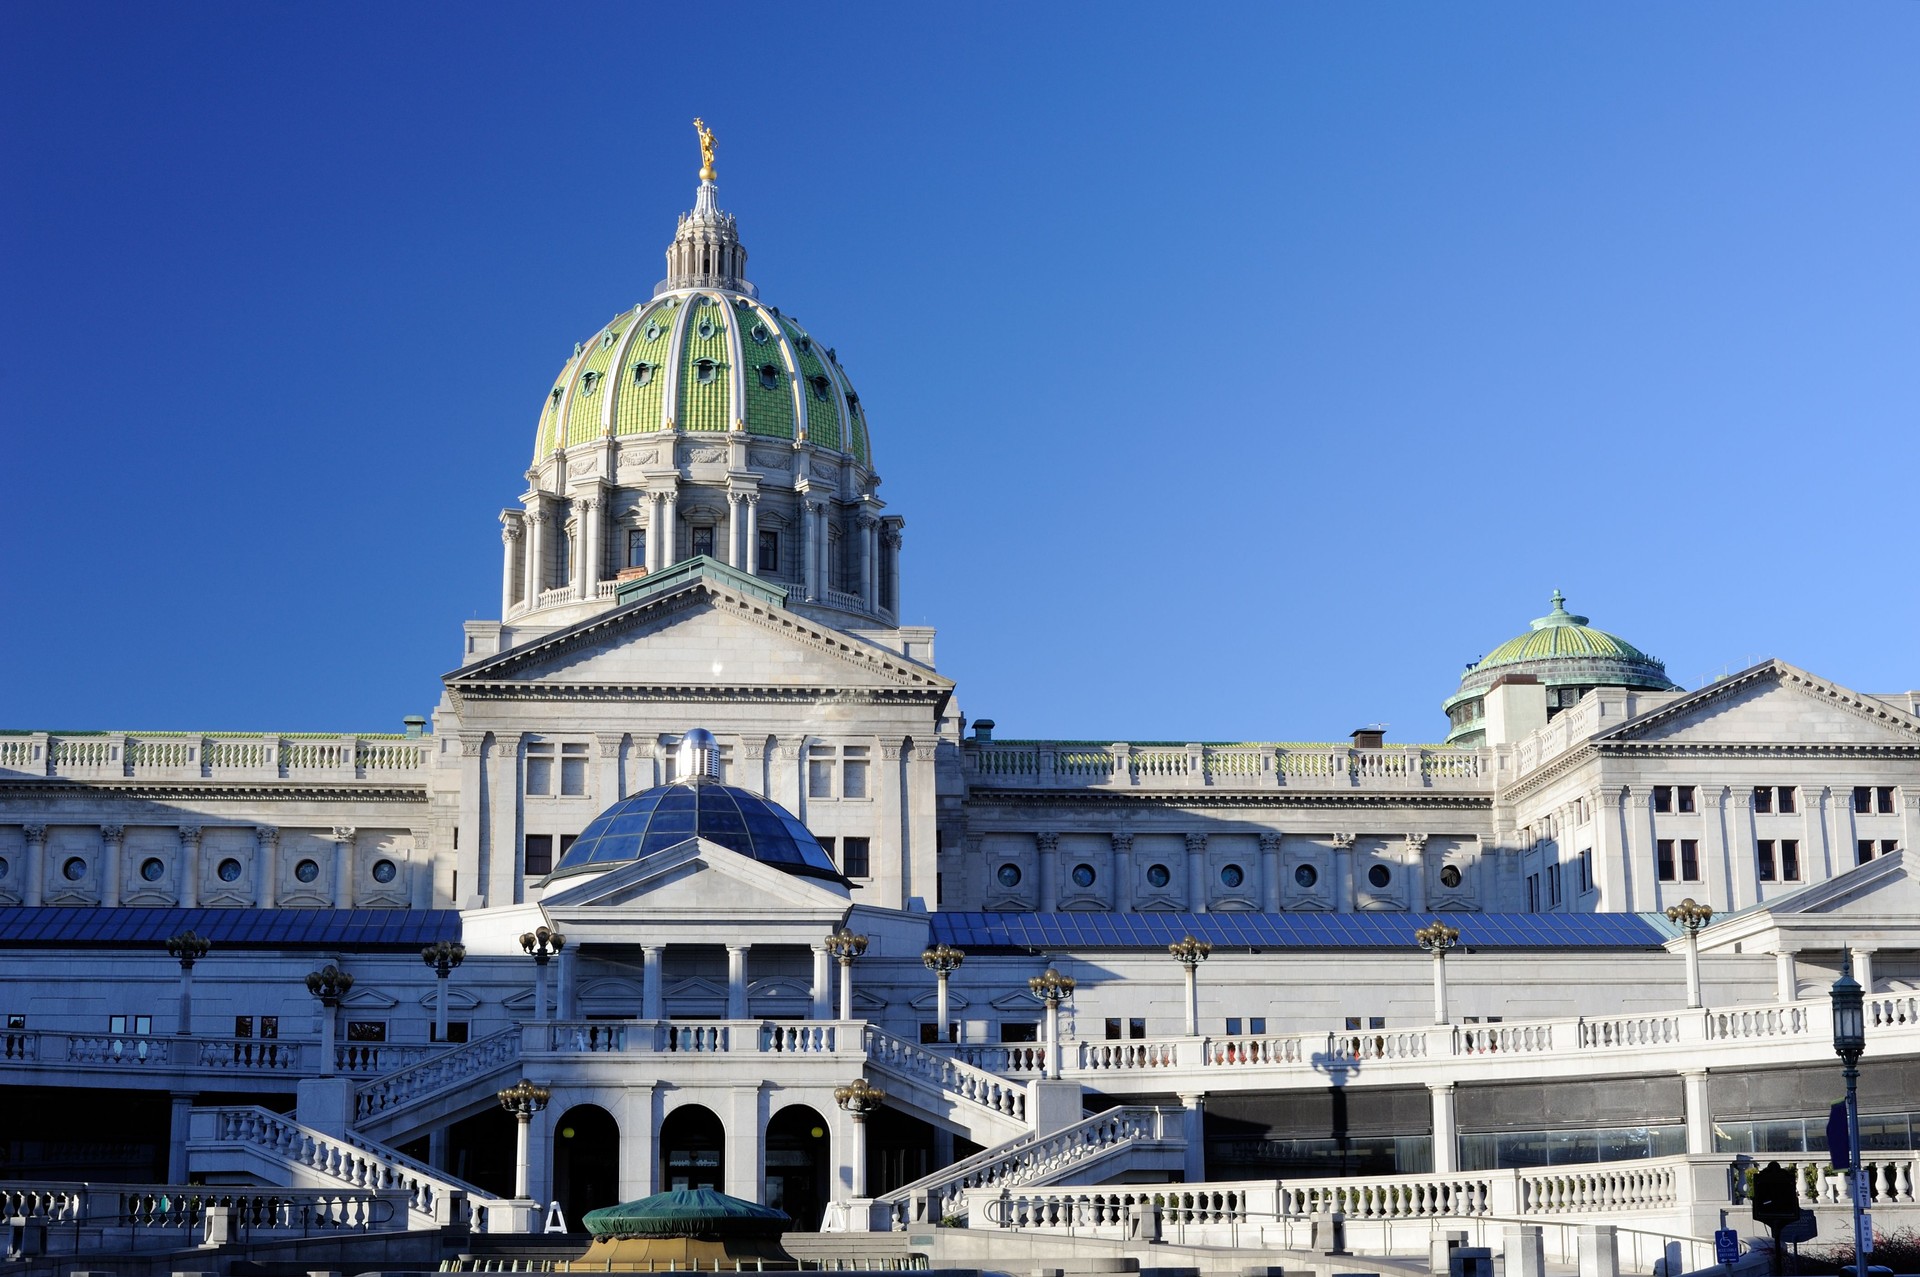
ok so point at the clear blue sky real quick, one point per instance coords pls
(1241, 372)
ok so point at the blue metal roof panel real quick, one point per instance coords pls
(1237, 930)
(128, 926)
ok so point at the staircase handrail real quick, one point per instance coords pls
(425, 1078)
(956, 1078)
(1022, 1159)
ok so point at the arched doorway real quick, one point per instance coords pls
(586, 1161)
(693, 1150)
(899, 1149)
(799, 1165)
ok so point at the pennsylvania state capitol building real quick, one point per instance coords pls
(699, 843)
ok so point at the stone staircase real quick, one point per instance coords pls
(253, 1144)
(985, 1107)
(1126, 1139)
(443, 1087)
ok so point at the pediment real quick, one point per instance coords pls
(956, 1001)
(697, 879)
(365, 999)
(703, 635)
(458, 999)
(1881, 888)
(1772, 704)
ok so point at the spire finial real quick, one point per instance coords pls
(1559, 601)
(706, 149)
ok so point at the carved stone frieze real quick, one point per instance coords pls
(1047, 842)
(1196, 844)
(110, 834)
(706, 456)
(770, 459)
(1344, 841)
(1122, 842)
(823, 470)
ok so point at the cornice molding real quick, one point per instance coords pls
(217, 791)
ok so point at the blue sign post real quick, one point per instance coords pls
(1726, 1246)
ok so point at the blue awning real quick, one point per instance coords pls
(1030, 931)
(128, 926)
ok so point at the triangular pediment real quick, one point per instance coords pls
(1772, 704)
(696, 878)
(1870, 906)
(704, 634)
(1880, 888)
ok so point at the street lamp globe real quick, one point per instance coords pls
(1849, 1016)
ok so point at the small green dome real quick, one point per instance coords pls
(1561, 634)
(1563, 652)
(687, 1212)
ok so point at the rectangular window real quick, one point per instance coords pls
(1683, 797)
(243, 1026)
(1137, 1027)
(853, 776)
(1862, 799)
(1586, 870)
(769, 564)
(1690, 859)
(1784, 801)
(1889, 845)
(929, 1033)
(1663, 859)
(16, 1021)
(855, 858)
(539, 853)
(637, 548)
(269, 1026)
(1884, 800)
(1257, 1024)
(539, 768)
(1762, 799)
(1233, 1026)
(1353, 1022)
(573, 770)
(366, 1030)
(457, 1031)
(1863, 851)
(1028, 1032)
(1663, 797)
(820, 771)
(566, 841)
(703, 541)
(1764, 862)
(1790, 860)
(1553, 884)
(142, 1024)
(1533, 893)
(1113, 1029)
(1376, 1022)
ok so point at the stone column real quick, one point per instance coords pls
(1270, 872)
(1646, 876)
(1733, 822)
(503, 822)
(650, 999)
(1193, 1125)
(1123, 872)
(893, 850)
(1909, 819)
(865, 526)
(1197, 872)
(566, 979)
(266, 865)
(592, 554)
(637, 1112)
(1863, 969)
(536, 577)
(745, 1120)
(35, 865)
(813, 510)
(111, 837)
(736, 982)
(1842, 849)
(608, 746)
(1343, 872)
(1612, 874)
(1048, 846)
(1699, 1115)
(1446, 1130)
(343, 837)
(1786, 979)
(189, 866)
(180, 1116)
(822, 983)
(1417, 873)
(512, 558)
(670, 527)
(751, 551)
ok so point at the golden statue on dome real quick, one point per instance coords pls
(706, 149)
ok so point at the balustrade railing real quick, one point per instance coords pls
(186, 755)
(376, 1057)
(952, 1077)
(436, 1074)
(142, 1216)
(1892, 1178)
(1079, 765)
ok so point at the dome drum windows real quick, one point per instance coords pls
(642, 373)
(761, 334)
(770, 376)
(590, 382)
(820, 386)
(705, 371)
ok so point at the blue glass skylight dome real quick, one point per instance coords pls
(668, 815)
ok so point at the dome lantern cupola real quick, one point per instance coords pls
(706, 251)
(1561, 651)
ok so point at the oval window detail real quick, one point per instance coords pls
(152, 870)
(1158, 876)
(1379, 875)
(307, 870)
(761, 335)
(770, 376)
(1083, 875)
(229, 870)
(1009, 875)
(1232, 876)
(1450, 876)
(74, 870)
(4, 866)
(384, 870)
(820, 386)
(1306, 875)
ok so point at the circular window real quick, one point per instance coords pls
(1158, 876)
(706, 327)
(1306, 875)
(74, 870)
(307, 870)
(1450, 876)
(152, 869)
(1232, 876)
(760, 334)
(770, 376)
(384, 870)
(1009, 875)
(4, 866)
(1379, 875)
(229, 870)
(652, 332)
(1083, 875)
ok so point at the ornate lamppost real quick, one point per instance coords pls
(1437, 939)
(943, 960)
(523, 1099)
(541, 944)
(329, 984)
(1190, 953)
(1052, 988)
(857, 1099)
(846, 946)
(1691, 917)
(1850, 1043)
(187, 948)
(443, 956)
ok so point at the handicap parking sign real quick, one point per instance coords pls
(1726, 1246)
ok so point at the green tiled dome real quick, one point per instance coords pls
(704, 362)
(1560, 633)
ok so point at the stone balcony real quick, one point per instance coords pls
(1081, 765)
